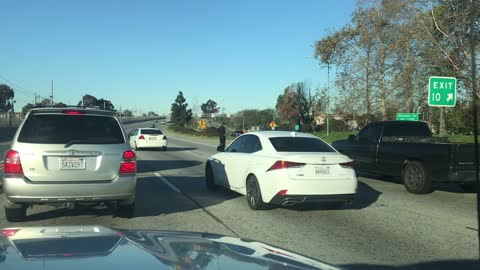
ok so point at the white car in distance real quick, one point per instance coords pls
(148, 138)
(283, 168)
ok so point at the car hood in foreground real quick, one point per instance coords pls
(97, 247)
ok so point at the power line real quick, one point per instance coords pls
(17, 85)
(20, 90)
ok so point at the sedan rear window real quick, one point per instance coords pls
(151, 132)
(61, 129)
(300, 144)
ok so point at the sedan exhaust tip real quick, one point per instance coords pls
(290, 202)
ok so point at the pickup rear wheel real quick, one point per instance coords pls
(416, 178)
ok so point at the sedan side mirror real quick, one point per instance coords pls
(351, 138)
(220, 148)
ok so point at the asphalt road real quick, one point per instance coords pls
(386, 226)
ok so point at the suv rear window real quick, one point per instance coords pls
(300, 144)
(61, 129)
(151, 132)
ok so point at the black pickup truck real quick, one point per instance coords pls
(406, 149)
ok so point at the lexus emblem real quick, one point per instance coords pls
(72, 153)
(323, 159)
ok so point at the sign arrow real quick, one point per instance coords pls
(449, 97)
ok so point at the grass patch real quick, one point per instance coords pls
(332, 136)
(461, 138)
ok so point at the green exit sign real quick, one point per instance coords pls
(407, 116)
(442, 91)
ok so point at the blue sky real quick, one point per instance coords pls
(139, 54)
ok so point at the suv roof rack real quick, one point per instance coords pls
(63, 109)
(70, 106)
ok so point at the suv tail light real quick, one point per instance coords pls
(128, 162)
(282, 164)
(12, 164)
(164, 137)
(141, 137)
(346, 164)
(9, 232)
(74, 112)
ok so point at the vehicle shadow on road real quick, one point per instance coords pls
(366, 196)
(153, 198)
(434, 265)
(145, 166)
(169, 149)
(65, 212)
(173, 149)
(447, 187)
(452, 188)
(195, 188)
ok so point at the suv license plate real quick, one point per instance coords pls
(72, 164)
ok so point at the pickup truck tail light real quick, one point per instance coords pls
(128, 163)
(282, 164)
(12, 164)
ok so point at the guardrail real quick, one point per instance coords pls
(8, 120)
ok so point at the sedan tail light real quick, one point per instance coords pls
(128, 163)
(282, 164)
(346, 164)
(164, 137)
(141, 137)
(12, 164)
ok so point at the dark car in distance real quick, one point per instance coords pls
(237, 133)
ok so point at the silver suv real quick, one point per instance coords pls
(69, 156)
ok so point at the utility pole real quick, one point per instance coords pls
(243, 120)
(328, 98)
(35, 99)
(473, 45)
(51, 96)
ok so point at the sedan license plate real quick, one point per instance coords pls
(72, 163)
(153, 138)
(322, 170)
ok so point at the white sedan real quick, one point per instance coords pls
(284, 168)
(148, 138)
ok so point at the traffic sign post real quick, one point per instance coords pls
(407, 117)
(442, 91)
(201, 124)
(272, 125)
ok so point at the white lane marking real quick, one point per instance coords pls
(164, 180)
